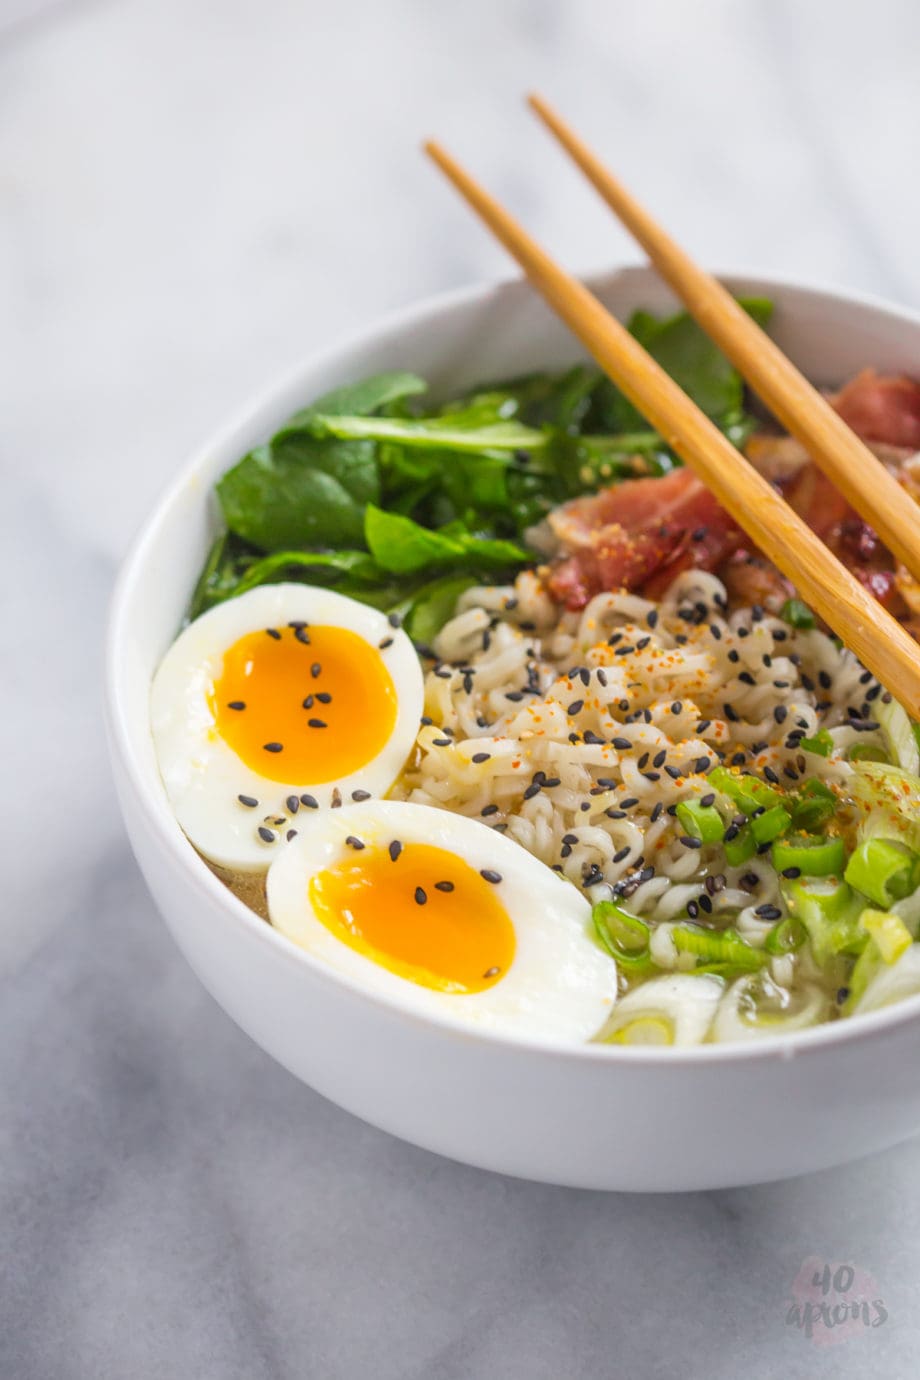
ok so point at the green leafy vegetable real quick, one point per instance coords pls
(300, 492)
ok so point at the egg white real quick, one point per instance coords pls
(202, 774)
(559, 985)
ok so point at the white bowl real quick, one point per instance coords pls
(593, 1116)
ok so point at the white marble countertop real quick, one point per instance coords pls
(193, 194)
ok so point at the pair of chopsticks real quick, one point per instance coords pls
(879, 641)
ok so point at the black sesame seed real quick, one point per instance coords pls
(420, 897)
(768, 912)
(780, 713)
(237, 704)
(693, 909)
(441, 742)
(551, 781)
(707, 800)
(489, 876)
(715, 631)
(302, 635)
(360, 795)
(324, 697)
(266, 835)
(734, 656)
(749, 881)
(585, 805)
(273, 747)
(443, 886)
(488, 810)
(747, 678)
(308, 702)
(659, 759)
(651, 618)
(316, 670)
(615, 814)
(622, 744)
(273, 632)
(791, 873)
(842, 993)
(601, 676)
(481, 757)
(688, 842)
(675, 773)
(824, 680)
(316, 723)
(643, 760)
(621, 854)
(656, 811)
(310, 802)
(293, 804)
(652, 775)
(394, 620)
(771, 775)
(291, 834)
(534, 789)
(702, 764)
(576, 707)
(248, 800)
(394, 850)
(514, 695)
(354, 842)
(629, 802)
(386, 642)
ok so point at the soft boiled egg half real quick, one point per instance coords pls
(445, 916)
(277, 704)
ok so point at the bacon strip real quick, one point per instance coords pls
(642, 533)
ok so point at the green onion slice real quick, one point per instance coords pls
(814, 857)
(883, 870)
(701, 821)
(624, 936)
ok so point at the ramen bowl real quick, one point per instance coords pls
(590, 1116)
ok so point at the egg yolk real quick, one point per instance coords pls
(304, 704)
(419, 911)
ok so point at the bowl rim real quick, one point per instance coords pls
(871, 1026)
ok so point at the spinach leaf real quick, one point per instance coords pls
(300, 492)
(693, 361)
(443, 433)
(358, 399)
(402, 546)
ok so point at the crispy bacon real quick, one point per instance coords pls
(882, 408)
(639, 534)
(642, 533)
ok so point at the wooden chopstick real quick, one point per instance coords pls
(863, 480)
(876, 638)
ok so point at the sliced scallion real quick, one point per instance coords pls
(814, 857)
(822, 743)
(786, 937)
(814, 805)
(701, 822)
(624, 936)
(889, 933)
(741, 847)
(717, 947)
(770, 824)
(883, 870)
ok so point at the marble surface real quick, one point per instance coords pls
(192, 194)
